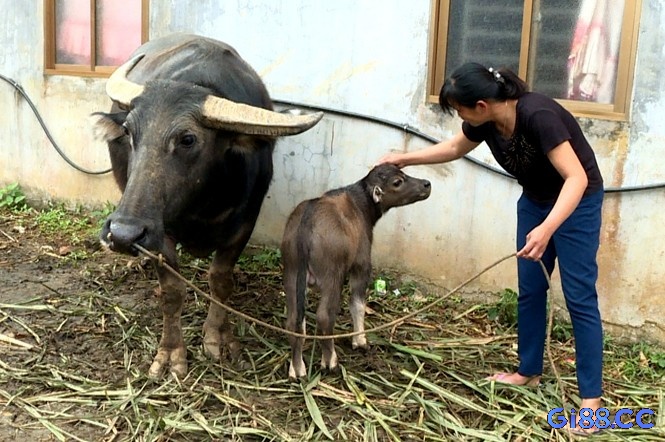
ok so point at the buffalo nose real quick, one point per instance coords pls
(427, 184)
(122, 233)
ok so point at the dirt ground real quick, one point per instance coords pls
(79, 327)
(40, 291)
(72, 314)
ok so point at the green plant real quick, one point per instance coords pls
(80, 255)
(640, 361)
(12, 197)
(409, 288)
(99, 215)
(57, 219)
(657, 359)
(650, 357)
(504, 311)
(562, 331)
(267, 259)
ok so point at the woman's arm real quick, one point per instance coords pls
(566, 162)
(448, 150)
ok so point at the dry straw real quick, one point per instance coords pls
(74, 358)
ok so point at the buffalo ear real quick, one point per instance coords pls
(377, 193)
(108, 127)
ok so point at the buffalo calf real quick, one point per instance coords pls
(329, 238)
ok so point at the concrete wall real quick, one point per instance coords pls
(367, 58)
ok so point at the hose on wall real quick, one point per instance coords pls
(391, 124)
(19, 88)
(410, 130)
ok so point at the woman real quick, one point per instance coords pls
(558, 214)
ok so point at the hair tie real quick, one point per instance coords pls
(497, 75)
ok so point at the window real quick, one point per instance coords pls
(580, 52)
(92, 37)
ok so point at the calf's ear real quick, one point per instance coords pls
(377, 193)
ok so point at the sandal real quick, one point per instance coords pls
(501, 378)
(579, 432)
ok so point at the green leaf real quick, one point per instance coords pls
(314, 412)
(419, 353)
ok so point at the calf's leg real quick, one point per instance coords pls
(358, 280)
(326, 314)
(297, 367)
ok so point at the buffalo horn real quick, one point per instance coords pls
(119, 88)
(237, 117)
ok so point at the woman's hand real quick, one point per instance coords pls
(392, 158)
(536, 243)
(442, 152)
(565, 161)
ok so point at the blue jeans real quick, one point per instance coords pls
(574, 244)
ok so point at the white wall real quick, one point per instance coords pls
(366, 57)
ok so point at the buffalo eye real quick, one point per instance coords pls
(187, 141)
(125, 129)
(397, 182)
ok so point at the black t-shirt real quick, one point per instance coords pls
(542, 124)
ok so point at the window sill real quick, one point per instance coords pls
(578, 109)
(81, 71)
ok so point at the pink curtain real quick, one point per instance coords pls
(118, 30)
(592, 63)
(117, 27)
(73, 31)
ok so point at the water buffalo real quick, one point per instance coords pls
(190, 134)
(329, 238)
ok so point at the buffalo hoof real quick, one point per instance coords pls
(214, 342)
(230, 352)
(211, 347)
(175, 359)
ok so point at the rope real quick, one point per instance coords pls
(548, 349)
(160, 261)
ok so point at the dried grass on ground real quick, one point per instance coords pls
(79, 328)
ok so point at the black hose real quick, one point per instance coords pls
(404, 127)
(48, 134)
(408, 129)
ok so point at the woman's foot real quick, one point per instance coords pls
(592, 404)
(515, 379)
